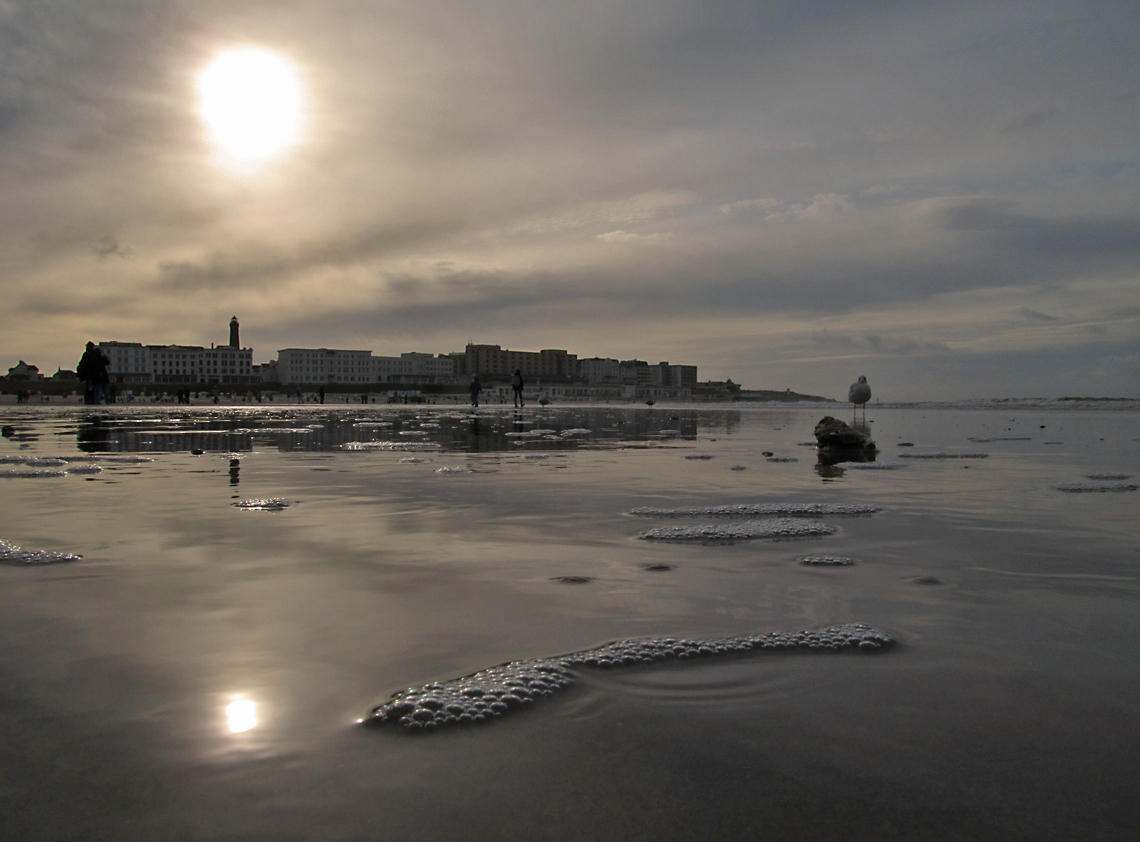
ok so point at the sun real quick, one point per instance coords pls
(252, 103)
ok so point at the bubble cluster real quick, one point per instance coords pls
(702, 456)
(85, 469)
(943, 455)
(11, 554)
(45, 462)
(273, 504)
(781, 527)
(1096, 486)
(491, 693)
(782, 459)
(1108, 476)
(875, 466)
(754, 509)
(390, 445)
(827, 560)
(33, 473)
(457, 469)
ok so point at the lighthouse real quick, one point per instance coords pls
(234, 341)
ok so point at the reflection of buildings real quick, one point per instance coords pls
(133, 362)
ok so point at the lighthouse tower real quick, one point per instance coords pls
(234, 341)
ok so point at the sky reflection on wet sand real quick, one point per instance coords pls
(136, 679)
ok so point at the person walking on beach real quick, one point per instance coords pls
(92, 370)
(517, 387)
(476, 388)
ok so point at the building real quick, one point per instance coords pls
(24, 371)
(133, 362)
(322, 366)
(427, 368)
(673, 376)
(634, 373)
(599, 371)
(491, 362)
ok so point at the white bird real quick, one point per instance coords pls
(859, 393)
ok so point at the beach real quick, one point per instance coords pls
(254, 581)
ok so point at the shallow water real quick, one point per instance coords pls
(199, 673)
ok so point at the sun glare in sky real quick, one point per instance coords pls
(251, 101)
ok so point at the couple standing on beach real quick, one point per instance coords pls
(476, 389)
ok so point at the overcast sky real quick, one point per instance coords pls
(944, 197)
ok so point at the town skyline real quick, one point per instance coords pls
(943, 198)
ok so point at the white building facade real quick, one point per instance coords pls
(133, 362)
(321, 366)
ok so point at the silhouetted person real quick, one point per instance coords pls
(476, 388)
(92, 370)
(322, 394)
(517, 387)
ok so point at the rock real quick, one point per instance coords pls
(840, 442)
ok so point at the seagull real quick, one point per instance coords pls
(859, 393)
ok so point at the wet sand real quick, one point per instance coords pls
(1008, 709)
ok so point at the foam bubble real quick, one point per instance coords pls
(874, 466)
(943, 455)
(412, 460)
(45, 462)
(827, 560)
(700, 456)
(458, 469)
(124, 460)
(1108, 476)
(491, 693)
(273, 504)
(537, 456)
(754, 509)
(85, 469)
(782, 459)
(783, 527)
(33, 473)
(11, 554)
(390, 445)
(1096, 486)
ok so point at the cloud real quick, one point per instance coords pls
(748, 205)
(874, 343)
(823, 206)
(108, 246)
(693, 164)
(626, 237)
(1037, 316)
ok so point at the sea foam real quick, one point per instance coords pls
(755, 509)
(783, 527)
(491, 693)
(11, 554)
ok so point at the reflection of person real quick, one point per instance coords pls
(92, 370)
(475, 389)
(517, 387)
